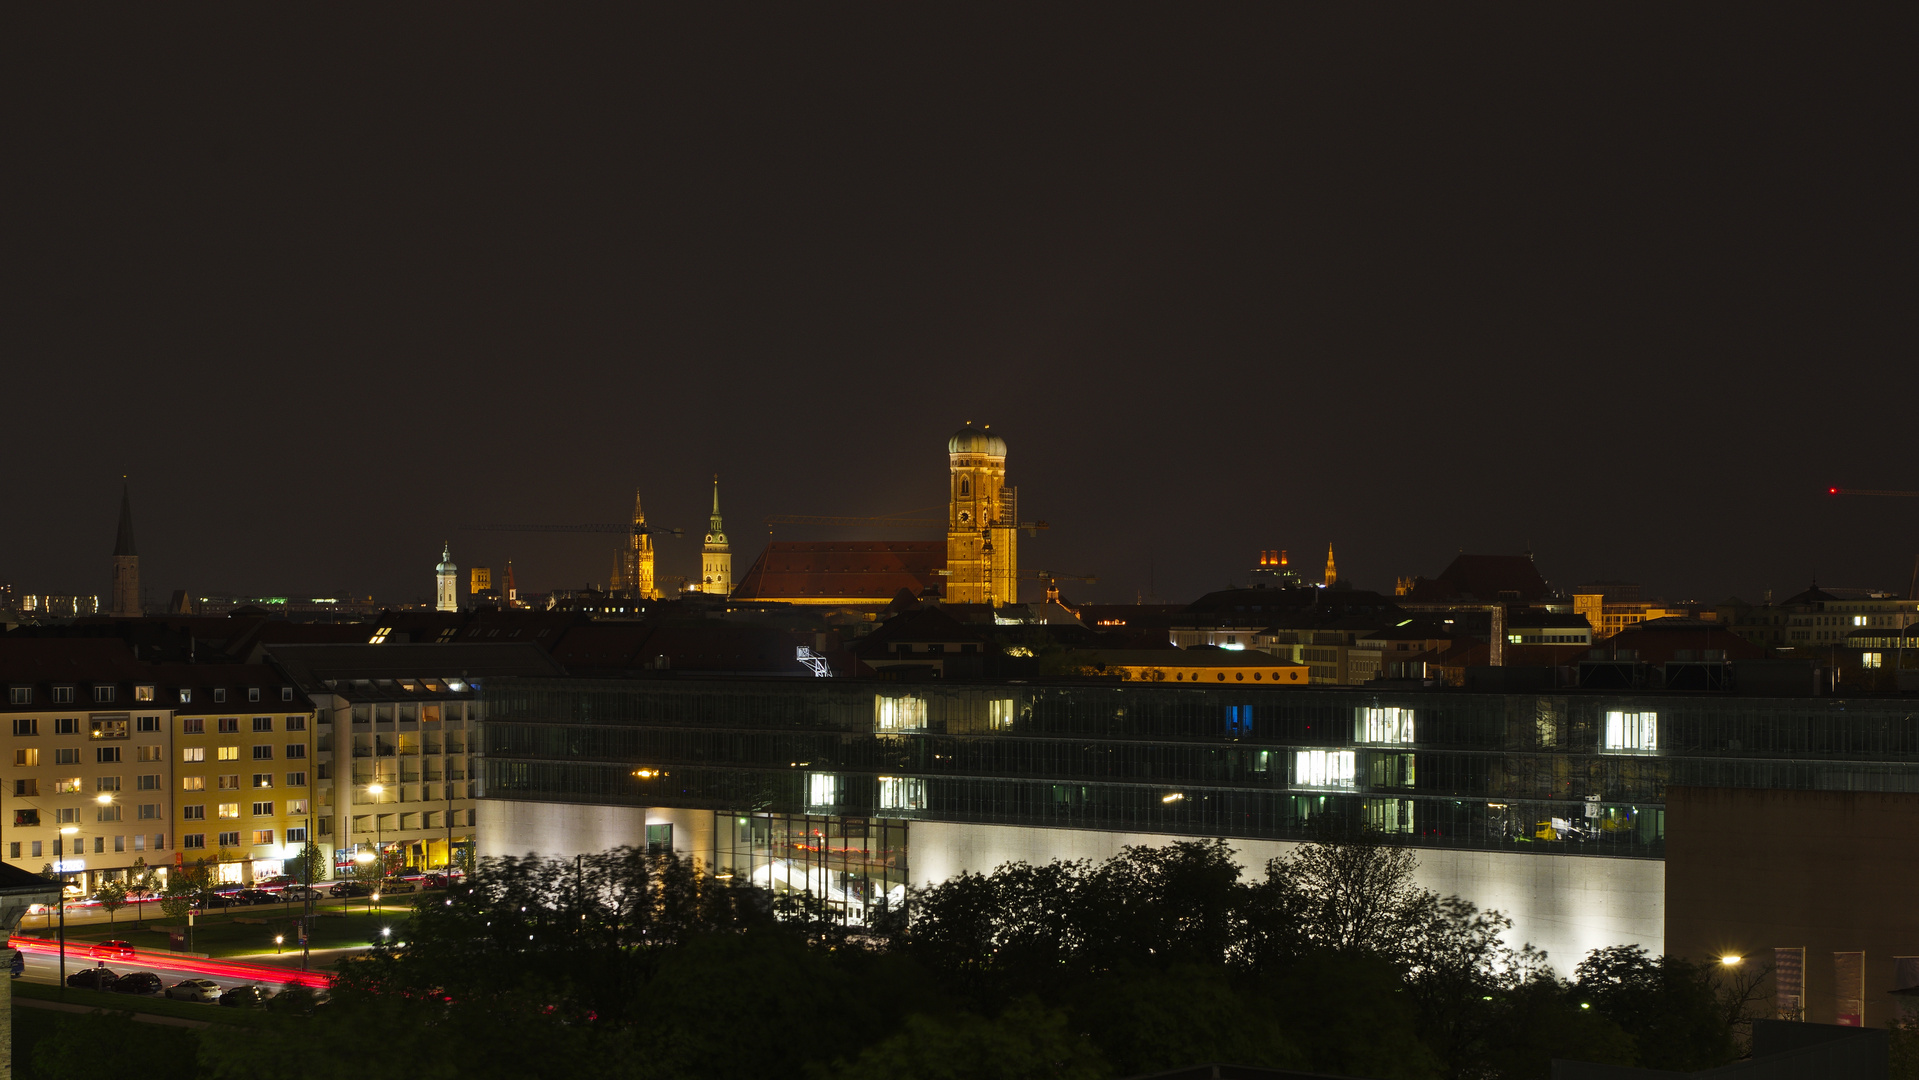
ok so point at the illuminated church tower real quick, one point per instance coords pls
(633, 567)
(448, 579)
(982, 561)
(716, 558)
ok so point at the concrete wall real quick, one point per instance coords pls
(1567, 905)
(1828, 871)
(562, 830)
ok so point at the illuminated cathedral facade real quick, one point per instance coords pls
(982, 553)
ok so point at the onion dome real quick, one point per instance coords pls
(976, 440)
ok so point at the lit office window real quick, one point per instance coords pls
(1324, 768)
(902, 793)
(899, 714)
(1870, 660)
(999, 713)
(1384, 725)
(822, 789)
(1630, 731)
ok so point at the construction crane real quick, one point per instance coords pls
(899, 521)
(1872, 491)
(1052, 580)
(630, 529)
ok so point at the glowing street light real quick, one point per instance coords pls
(1729, 960)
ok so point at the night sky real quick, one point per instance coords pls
(1629, 286)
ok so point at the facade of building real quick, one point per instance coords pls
(716, 556)
(982, 547)
(244, 768)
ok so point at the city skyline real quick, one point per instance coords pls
(1228, 282)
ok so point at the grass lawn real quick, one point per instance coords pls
(223, 935)
(94, 999)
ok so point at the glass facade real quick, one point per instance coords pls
(849, 863)
(1581, 772)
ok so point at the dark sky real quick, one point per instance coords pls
(1628, 285)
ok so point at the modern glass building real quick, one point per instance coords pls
(836, 785)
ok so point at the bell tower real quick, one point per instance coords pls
(982, 563)
(716, 558)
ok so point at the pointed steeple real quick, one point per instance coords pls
(1332, 571)
(123, 545)
(715, 528)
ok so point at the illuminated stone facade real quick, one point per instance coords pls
(633, 566)
(716, 558)
(447, 581)
(982, 560)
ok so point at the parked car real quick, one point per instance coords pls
(300, 892)
(281, 879)
(399, 885)
(244, 995)
(111, 950)
(225, 898)
(195, 990)
(255, 896)
(98, 978)
(350, 888)
(139, 982)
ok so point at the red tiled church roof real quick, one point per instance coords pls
(817, 572)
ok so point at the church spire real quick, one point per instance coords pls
(715, 528)
(126, 561)
(1332, 571)
(123, 545)
(716, 558)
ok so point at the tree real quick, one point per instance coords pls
(310, 865)
(1671, 1007)
(187, 885)
(112, 897)
(1028, 1040)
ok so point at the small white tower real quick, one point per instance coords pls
(449, 582)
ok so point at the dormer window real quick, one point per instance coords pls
(186, 696)
(253, 693)
(20, 695)
(220, 694)
(103, 693)
(143, 693)
(286, 693)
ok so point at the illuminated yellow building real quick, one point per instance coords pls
(480, 579)
(243, 772)
(1202, 666)
(716, 558)
(982, 557)
(633, 566)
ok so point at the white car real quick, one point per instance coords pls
(195, 990)
(301, 892)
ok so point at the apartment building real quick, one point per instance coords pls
(397, 731)
(86, 792)
(242, 762)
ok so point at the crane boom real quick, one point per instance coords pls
(632, 529)
(887, 522)
(1872, 491)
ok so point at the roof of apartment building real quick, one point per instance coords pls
(400, 671)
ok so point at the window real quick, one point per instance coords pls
(296, 836)
(296, 779)
(263, 723)
(66, 725)
(296, 807)
(106, 755)
(20, 695)
(143, 693)
(106, 783)
(186, 698)
(263, 809)
(294, 750)
(263, 779)
(286, 693)
(62, 695)
(194, 841)
(229, 809)
(119, 843)
(26, 787)
(193, 726)
(1631, 731)
(229, 753)
(150, 811)
(263, 753)
(899, 713)
(1870, 660)
(822, 789)
(230, 839)
(902, 793)
(36, 848)
(13, 850)
(1323, 768)
(66, 755)
(109, 728)
(1387, 725)
(67, 785)
(229, 725)
(26, 817)
(66, 815)
(253, 693)
(193, 754)
(263, 836)
(149, 782)
(193, 813)
(999, 714)
(147, 723)
(219, 694)
(26, 725)
(103, 693)
(26, 757)
(659, 839)
(147, 753)
(193, 783)
(296, 723)
(230, 782)
(108, 813)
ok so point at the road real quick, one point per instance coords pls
(42, 957)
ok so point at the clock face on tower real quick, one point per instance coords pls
(965, 516)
